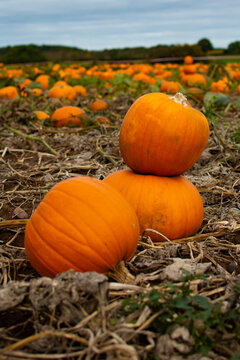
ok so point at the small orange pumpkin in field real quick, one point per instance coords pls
(98, 105)
(188, 60)
(82, 224)
(80, 90)
(102, 120)
(40, 115)
(189, 69)
(8, 92)
(195, 93)
(171, 87)
(65, 92)
(43, 80)
(169, 205)
(68, 116)
(162, 135)
(36, 92)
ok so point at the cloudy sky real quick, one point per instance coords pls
(106, 24)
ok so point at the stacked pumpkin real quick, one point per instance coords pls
(161, 137)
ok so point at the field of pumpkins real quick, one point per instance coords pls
(120, 210)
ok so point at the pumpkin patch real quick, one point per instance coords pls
(120, 225)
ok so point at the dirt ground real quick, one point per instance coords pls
(65, 318)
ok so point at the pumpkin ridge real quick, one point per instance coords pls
(35, 254)
(64, 256)
(120, 251)
(86, 244)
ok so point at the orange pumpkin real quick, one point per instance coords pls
(188, 60)
(82, 224)
(36, 92)
(171, 87)
(40, 115)
(8, 92)
(68, 116)
(196, 93)
(102, 120)
(80, 90)
(98, 105)
(189, 69)
(64, 92)
(162, 135)
(169, 205)
(43, 80)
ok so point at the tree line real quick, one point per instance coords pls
(56, 53)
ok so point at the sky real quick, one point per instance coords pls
(109, 24)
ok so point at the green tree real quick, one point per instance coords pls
(205, 44)
(234, 48)
(23, 54)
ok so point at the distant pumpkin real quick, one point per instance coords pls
(8, 92)
(62, 92)
(98, 105)
(68, 116)
(188, 60)
(80, 90)
(43, 80)
(40, 115)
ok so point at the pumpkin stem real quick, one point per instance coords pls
(179, 98)
(121, 274)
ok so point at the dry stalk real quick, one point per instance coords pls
(34, 138)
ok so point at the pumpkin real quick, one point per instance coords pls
(40, 115)
(68, 116)
(36, 92)
(170, 205)
(195, 79)
(171, 87)
(43, 80)
(196, 93)
(162, 134)
(8, 92)
(188, 60)
(62, 92)
(98, 105)
(80, 90)
(102, 120)
(189, 69)
(82, 224)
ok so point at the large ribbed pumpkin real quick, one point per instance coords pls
(82, 224)
(169, 205)
(162, 135)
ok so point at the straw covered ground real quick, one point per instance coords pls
(184, 301)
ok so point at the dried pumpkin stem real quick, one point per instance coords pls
(179, 98)
(121, 274)
(101, 152)
(34, 138)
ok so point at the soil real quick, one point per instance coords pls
(65, 318)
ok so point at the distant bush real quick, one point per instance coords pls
(23, 54)
(234, 48)
(205, 44)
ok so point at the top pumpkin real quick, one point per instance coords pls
(163, 135)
